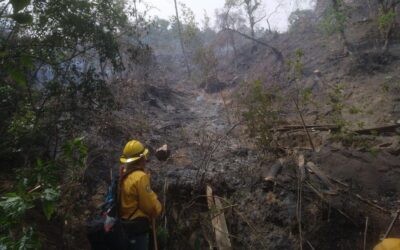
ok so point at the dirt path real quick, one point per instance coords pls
(195, 127)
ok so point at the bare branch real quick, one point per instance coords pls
(277, 53)
(259, 20)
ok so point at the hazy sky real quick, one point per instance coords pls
(165, 9)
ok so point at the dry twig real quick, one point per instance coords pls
(396, 216)
(304, 124)
(301, 178)
(365, 233)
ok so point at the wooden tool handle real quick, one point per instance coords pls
(153, 222)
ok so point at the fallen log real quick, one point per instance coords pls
(276, 52)
(311, 127)
(383, 129)
(379, 130)
(218, 221)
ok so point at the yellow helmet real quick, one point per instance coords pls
(388, 244)
(133, 151)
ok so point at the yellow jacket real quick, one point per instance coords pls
(388, 244)
(136, 195)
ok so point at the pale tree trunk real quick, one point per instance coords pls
(388, 32)
(181, 40)
(233, 44)
(226, 25)
(252, 24)
(250, 14)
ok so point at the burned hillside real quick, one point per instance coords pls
(272, 140)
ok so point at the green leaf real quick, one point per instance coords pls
(14, 205)
(11, 195)
(18, 76)
(19, 4)
(49, 198)
(50, 194)
(29, 240)
(3, 53)
(49, 207)
(22, 18)
(27, 61)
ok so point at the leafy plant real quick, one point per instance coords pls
(49, 199)
(34, 189)
(296, 66)
(15, 205)
(386, 19)
(28, 240)
(354, 110)
(39, 188)
(207, 62)
(337, 102)
(334, 21)
(303, 95)
(54, 60)
(391, 85)
(261, 113)
(306, 95)
(361, 125)
(53, 57)
(74, 156)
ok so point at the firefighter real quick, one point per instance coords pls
(139, 205)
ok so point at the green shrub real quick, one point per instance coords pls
(260, 113)
(333, 22)
(354, 110)
(386, 19)
(35, 189)
(39, 188)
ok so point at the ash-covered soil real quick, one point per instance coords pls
(207, 148)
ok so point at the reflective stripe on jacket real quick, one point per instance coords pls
(136, 191)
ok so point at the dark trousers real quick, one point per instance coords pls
(138, 242)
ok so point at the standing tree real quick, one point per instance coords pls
(206, 21)
(334, 22)
(340, 16)
(51, 90)
(207, 63)
(178, 22)
(208, 33)
(230, 19)
(387, 19)
(190, 31)
(252, 9)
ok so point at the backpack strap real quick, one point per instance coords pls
(134, 212)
